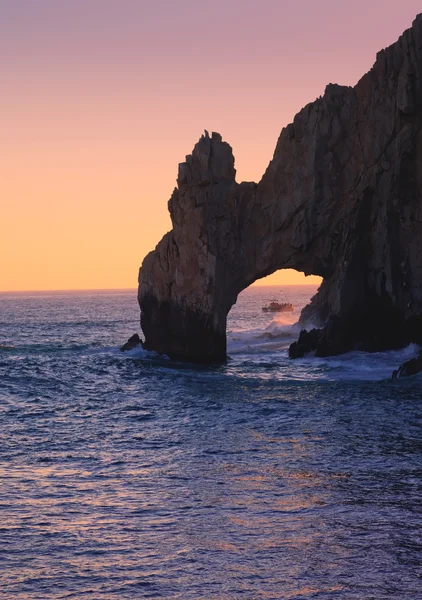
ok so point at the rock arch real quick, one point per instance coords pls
(341, 199)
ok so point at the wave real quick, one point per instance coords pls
(278, 334)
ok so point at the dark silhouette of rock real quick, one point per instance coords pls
(132, 343)
(308, 341)
(410, 367)
(341, 199)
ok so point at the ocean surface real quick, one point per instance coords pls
(126, 475)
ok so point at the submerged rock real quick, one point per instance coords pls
(410, 367)
(341, 199)
(132, 343)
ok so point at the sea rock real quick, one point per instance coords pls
(308, 341)
(341, 199)
(132, 343)
(410, 367)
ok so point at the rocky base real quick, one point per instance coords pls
(410, 367)
(372, 330)
(181, 333)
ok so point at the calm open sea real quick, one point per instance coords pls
(131, 476)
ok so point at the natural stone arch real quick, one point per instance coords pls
(341, 199)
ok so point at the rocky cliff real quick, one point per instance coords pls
(341, 198)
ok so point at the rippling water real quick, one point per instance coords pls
(129, 476)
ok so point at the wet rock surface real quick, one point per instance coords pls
(410, 367)
(341, 199)
(308, 341)
(132, 343)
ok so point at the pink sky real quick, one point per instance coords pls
(101, 99)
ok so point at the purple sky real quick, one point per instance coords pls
(101, 99)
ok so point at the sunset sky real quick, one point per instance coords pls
(101, 99)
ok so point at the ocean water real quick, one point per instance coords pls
(126, 475)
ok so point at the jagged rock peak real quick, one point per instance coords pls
(212, 160)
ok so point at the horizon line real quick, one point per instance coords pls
(124, 289)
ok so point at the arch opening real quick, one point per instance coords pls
(267, 314)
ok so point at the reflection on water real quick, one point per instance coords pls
(129, 477)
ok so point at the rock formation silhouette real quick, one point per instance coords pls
(341, 199)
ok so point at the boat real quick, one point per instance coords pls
(278, 307)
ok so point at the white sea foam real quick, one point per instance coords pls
(277, 334)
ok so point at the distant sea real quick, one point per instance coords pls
(127, 475)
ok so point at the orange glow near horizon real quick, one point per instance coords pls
(102, 100)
